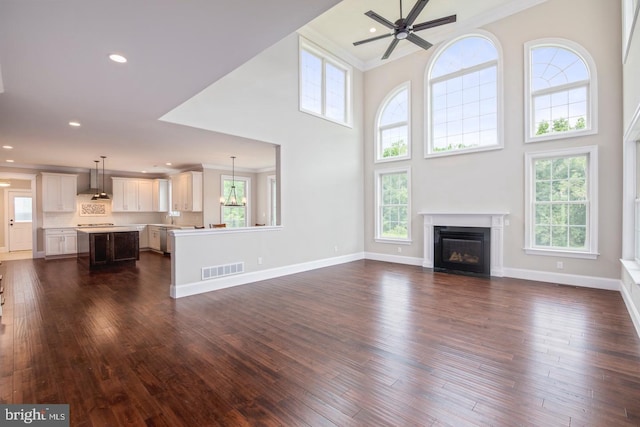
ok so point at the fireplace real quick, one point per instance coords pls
(462, 250)
(494, 221)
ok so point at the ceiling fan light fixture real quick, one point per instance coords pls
(402, 34)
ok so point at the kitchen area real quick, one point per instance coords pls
(80, 208)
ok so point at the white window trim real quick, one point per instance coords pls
(592, 89)
(247, 182)
(630, 10)
(500, 98)
(592, 251)
(325, 56)
(377, 154)
(378, 219)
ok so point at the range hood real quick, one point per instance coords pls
(94, 186)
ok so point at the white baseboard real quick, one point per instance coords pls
(398, 259)
(243, 279)
(564, 279)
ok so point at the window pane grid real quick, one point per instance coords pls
(394, 206)
(464, 114)
(393, 126)
(559, 85)
(324, 86)
(561, 205)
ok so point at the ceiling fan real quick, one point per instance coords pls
(404, 28)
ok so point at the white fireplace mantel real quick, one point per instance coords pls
(493, 220)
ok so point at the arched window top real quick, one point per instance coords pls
(560, 90)
(392, 125)
(397, 108)
(463, 53)
(553, 66)
(463, 88)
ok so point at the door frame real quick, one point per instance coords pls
(34, 219)
(12, 193)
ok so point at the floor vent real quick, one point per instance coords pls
(222, 270)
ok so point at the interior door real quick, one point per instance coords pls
(20, 217)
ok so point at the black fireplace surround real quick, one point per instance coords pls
(462, 250)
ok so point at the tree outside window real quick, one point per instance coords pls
(561, 202)
(562, 193)
(393, 126)
(560, 90)
(393, 205)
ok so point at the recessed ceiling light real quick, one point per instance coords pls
(7, 147)
(168, 164)
(117, 58)
(5, 184)
(9, 161)
(144, 171)
(372, 30)
(74, 124)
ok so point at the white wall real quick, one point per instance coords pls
(494, 180)
(321, 169)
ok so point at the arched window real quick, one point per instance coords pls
(393, 141)
(559, 91)
(464, 102)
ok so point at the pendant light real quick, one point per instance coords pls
(232, 199)
(103, 193)
(96, 196)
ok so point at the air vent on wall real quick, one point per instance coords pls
(222, 270)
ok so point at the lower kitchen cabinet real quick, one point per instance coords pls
(60, 242)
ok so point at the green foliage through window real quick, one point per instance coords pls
(560, 125)
(394, 206)
(561, 202)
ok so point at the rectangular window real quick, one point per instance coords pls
(393, 213)
(563, 209)
(235, 216)
(324, 84)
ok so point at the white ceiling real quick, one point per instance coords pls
(54, 69)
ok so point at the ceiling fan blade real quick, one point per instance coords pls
(384, 36)
(434, 23)
(392, 46)
(371, 14)
(417, 8)
(419, 41)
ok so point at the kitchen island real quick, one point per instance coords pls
(105, 246)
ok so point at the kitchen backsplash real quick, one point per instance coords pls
(96, 216)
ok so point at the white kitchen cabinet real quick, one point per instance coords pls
(186, 191)
(160, 193)
(132, 195)
(59, 192)
(154, 237)
(143, 236)
(60, 242)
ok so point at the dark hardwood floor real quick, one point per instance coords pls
(360, 344)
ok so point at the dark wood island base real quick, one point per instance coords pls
(106, 246)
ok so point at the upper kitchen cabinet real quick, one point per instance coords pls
(186, 192)
(59, 192)
(138, 195)
(160, 195)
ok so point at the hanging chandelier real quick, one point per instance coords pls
(96, 196)
(232, 198)
(103, 193)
